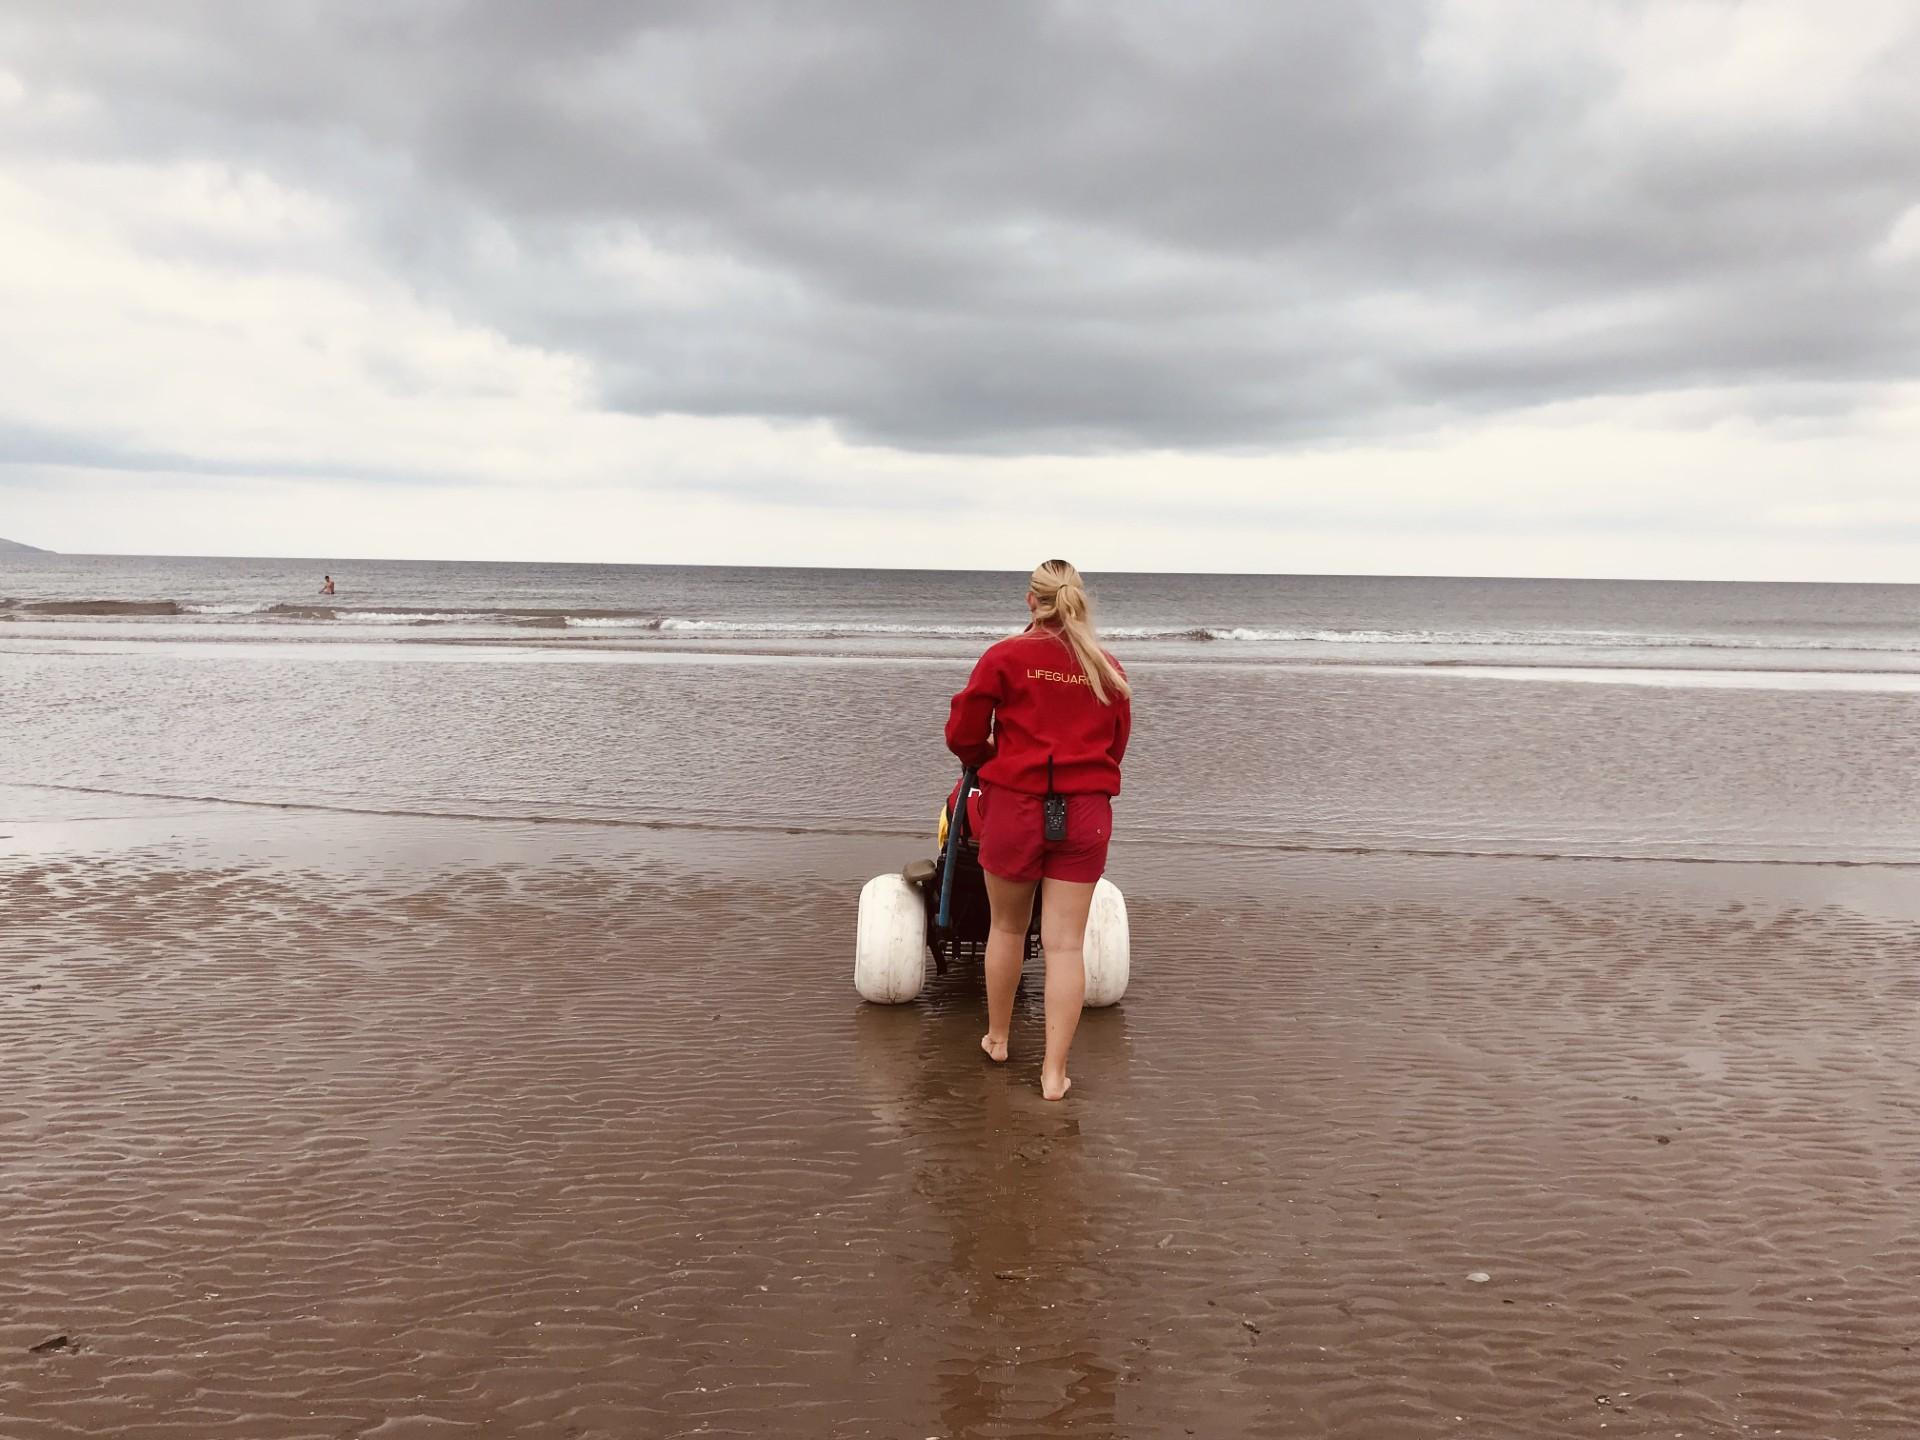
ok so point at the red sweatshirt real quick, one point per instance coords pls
(1028, 698)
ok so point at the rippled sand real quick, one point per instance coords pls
(421, 1129)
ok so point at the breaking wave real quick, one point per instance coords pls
(663, 628)
(131, 609)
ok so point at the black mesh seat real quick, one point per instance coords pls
(971, 918)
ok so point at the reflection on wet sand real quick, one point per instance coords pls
(1008, 1179)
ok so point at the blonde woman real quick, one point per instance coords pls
(1044, 719)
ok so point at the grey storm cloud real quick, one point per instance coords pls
(1015, 227)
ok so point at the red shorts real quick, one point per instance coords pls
(1014, 844)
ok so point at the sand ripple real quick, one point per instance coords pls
(590, 1149)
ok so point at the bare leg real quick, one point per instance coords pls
(1063, 934)
(1012, 905)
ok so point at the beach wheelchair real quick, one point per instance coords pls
(939, 907)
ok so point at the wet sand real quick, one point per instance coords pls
(361, 1126)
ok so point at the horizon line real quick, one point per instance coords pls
(323, 561)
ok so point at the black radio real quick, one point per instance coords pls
(1054, 808)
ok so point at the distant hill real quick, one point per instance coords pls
(17, 548)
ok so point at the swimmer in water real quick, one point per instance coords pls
(326, 586)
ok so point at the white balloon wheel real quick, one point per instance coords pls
(890, 943)
(1108, 947)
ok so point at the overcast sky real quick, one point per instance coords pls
(1470, 286)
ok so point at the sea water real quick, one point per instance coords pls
(1602, 719)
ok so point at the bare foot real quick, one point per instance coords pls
(996, 1049)
(1049, 1090)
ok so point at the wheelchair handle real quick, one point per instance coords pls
(956, 822)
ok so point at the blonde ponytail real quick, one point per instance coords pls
(1060, 604)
